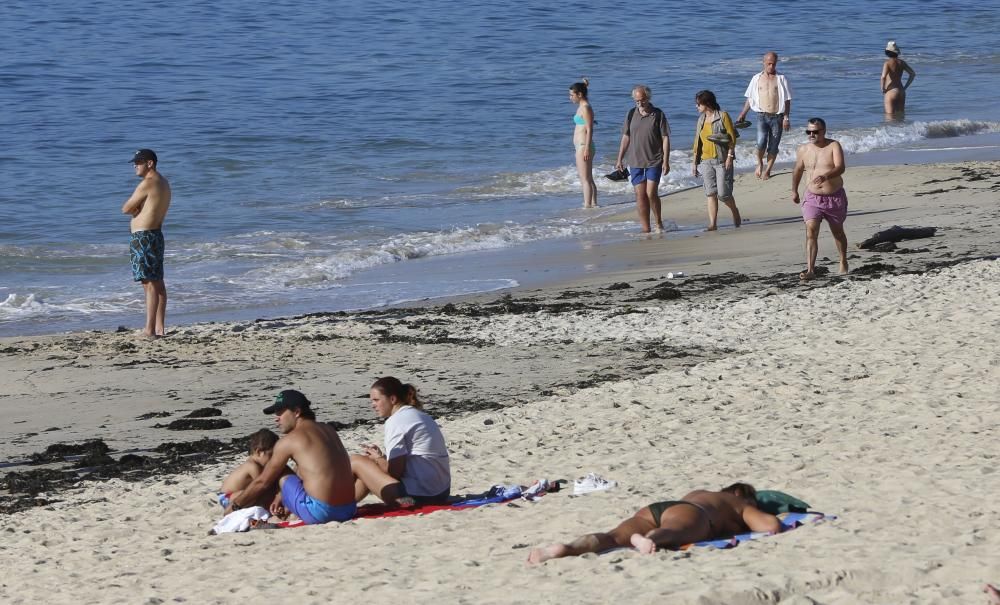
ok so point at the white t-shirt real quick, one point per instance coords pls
(411, 432)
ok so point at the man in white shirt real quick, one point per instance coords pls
(769, 95)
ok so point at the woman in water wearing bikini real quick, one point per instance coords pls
(701, 515)
(893, 89)
(583, 141)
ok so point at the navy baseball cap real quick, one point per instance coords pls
(143, 155)
(288, 399)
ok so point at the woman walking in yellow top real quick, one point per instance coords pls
(715, 150)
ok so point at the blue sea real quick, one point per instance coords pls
(312, 144)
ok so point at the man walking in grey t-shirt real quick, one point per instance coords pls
(645, 147)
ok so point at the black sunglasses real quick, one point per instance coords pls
(812, 132)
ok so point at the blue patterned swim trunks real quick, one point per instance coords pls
(147, 249)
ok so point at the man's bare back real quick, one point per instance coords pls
(321, 461)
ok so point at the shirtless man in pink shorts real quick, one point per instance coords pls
(825, 196)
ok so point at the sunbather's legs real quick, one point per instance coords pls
(640, 523)
(370, 478)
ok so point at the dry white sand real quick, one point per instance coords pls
(873, 400)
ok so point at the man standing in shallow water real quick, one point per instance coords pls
(825, 195)
(646, 141)
(148, 207)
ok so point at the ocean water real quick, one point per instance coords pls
(310, 142)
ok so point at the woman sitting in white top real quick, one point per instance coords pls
(414, 468)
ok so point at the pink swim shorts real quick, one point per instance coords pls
(832, 207)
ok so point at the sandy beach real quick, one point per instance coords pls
(873, 397)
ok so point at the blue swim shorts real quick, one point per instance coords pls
(309, 509)
(146, 248)
(652, 174)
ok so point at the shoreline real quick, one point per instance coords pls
(519, 263)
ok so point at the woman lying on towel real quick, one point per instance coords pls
(414, 467)
(701, 515)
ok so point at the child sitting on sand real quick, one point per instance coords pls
(261, 447)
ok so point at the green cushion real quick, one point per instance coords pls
(775, 502)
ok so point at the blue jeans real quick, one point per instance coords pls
(769, 132)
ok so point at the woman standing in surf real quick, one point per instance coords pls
(893, 89)
(583, 141)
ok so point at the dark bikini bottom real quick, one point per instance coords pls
(658, 508)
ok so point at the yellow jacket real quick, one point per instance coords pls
(704, 149)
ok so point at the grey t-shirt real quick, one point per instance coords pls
(645, 138)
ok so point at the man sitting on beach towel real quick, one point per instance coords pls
(322, 487)
(701, 515)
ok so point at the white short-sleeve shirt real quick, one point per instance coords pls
(784, 92)
(411, 432)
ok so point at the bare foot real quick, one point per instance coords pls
(843, 268)
(147, 335)
(643, 544)
(658, 228)
(994, 595)
(712, 228)
(806, 275)
(766, 175)
(758, 170)
(544, 553)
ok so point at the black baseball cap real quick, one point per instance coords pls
(143, 155)
(288, 399)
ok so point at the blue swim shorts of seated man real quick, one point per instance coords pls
(321, 489)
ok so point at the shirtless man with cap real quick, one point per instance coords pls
(148, 207)
(322, 487)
